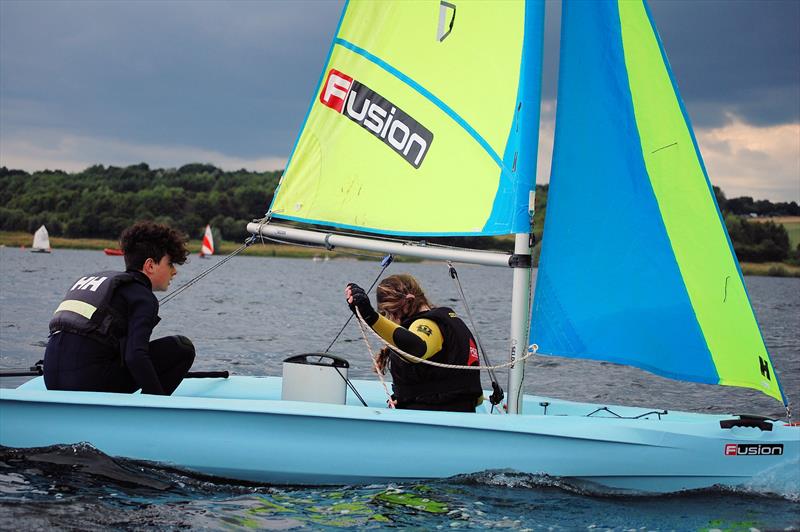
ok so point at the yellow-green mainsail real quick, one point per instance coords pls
(416, 124)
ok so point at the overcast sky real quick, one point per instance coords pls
(228, 83)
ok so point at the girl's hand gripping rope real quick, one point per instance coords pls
(358, 299)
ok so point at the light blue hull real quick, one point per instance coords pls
(239, 428)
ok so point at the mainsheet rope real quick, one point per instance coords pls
(377, 369)
(532, 349)
(364, 327)
(387, 260)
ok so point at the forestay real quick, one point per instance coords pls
(636, 266)
(424, 121)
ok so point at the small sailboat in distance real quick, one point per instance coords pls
(41, 241)
(207, 247)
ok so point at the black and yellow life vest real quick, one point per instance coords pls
(425, 383)
(86, 308)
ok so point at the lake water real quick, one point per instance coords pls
(251, 313)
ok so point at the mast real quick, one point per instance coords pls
(520, 322)
(528, 106)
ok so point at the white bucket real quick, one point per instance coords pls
(316, 378)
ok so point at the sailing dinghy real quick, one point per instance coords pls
(207, 247)
(41, 241)
(425, 123)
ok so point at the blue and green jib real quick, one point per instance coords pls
(636, 265)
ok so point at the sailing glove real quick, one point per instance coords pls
(361, 302)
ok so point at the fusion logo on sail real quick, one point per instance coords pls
(407, 137)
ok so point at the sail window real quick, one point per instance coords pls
(447, 17)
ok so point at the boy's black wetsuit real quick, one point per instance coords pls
(80, 363)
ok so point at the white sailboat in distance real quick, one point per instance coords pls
(41, 241)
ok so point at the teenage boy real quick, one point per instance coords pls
(100, 333)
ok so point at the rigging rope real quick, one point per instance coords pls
(532, 349)
(375, 366)
(349, 384)
(247, 243)
(387, 260)
(364, 327)
(497, 390)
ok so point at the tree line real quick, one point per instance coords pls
(747, 206)
(763, 241)
(100, 202)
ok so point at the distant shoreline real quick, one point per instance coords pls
(17, 239)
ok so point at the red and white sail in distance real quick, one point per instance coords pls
(207, 247)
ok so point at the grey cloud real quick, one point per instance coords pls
(232, 76)
(736, 56)
(740, 57)
(238, 76)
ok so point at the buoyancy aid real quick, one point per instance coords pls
(86, 308)
(425, 383)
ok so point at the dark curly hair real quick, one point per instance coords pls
(149, 240)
